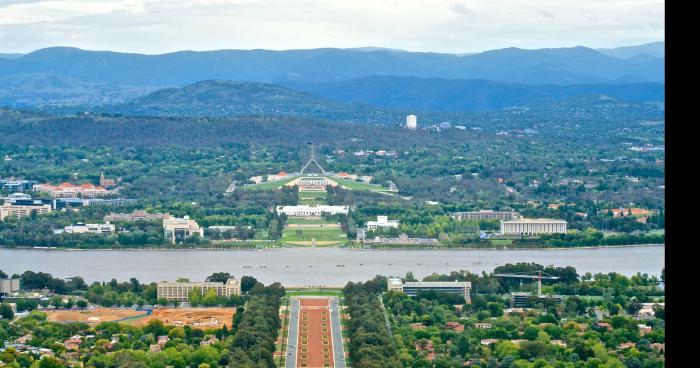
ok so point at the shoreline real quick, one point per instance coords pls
(342, 248)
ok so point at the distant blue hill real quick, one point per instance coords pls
(436, 94)
(564, 66)
(653, 49)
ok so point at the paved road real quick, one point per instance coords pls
(336, 335)
(293, 334)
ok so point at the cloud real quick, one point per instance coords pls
(546, 14)
(157, 26)
(460, 8)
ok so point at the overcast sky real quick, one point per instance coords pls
(456, 26)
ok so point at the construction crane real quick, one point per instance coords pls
(529, 275)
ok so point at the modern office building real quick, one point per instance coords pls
(66, 203)
(180, 291)
(524, 299)
(180, 228)
(13, 185)
(485, 215)
(81, 228)
(411, 122)
(533, 227)
(318, 210)
(8, 286)
(137, 215)
(382, 221)
(413, 288)
(24, 208)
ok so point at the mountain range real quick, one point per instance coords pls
(367, 98)
(387, 78)
(437, 94)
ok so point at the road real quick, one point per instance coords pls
(336, 335)
(292, 334)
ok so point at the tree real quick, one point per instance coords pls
(247, 283)
(50, 362)
(210, 298)
(82, 304)
(218, 277)
(56, 301)
(6, 311)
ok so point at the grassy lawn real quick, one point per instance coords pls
(313, 221)
(314, 292)
(356, 185)
(268, 185)
(501, 241)
(313, 194)
(323, 236)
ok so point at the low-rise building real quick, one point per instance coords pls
(180, 228)
(318, 210)
(382, 222)
(68, 190)
(137, 215)
(462, 288)
(9, 286)
(485, 215)
(180, 291)
(19, 209)
(81, 228)
(644, 329)
(533, 227)
(455, 326)
(14, 185)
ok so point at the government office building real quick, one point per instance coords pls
(305, 210)
(485, 215)
(533, 227)
(413, 288)
(180, 291)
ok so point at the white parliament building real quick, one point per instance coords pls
(305, 210)
(533, 227)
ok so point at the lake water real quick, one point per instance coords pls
(315, 266)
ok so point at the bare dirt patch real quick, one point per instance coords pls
(203, 318)
(94, 316)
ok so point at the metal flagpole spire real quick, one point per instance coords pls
(312, 159)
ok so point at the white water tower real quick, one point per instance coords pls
(411, 122)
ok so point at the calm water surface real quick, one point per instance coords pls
(308, 266)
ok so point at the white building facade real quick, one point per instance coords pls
(382, 221)
(411, 122)
(184, 227)
(79, 228)
(305, 210)
(533, 227)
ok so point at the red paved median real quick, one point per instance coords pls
(315, 346)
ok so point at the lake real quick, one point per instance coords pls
(315, 266)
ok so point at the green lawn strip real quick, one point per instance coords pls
(268, 185)
(356, 185)
(283, 344)
(310, 221)
(320, 234)
(313, 292)
(501, 241)
(313, 194)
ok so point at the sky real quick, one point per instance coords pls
(453, 26)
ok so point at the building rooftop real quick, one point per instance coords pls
(539, 220)
(437, 283)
